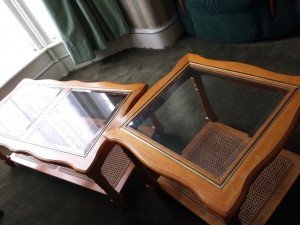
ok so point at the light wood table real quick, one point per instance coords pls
(56, 128)
(218, 133)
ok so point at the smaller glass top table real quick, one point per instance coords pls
(62, 123)
(215, 126)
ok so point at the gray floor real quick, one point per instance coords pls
(148, 66)
(29, 197)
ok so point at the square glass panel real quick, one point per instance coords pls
(24, 106)
(75, 123)
(208, 119)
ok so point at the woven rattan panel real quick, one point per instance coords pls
(262, 189)
(185, 191)
(115, 165)
(36, 161)
(259, 192)
(216, 151)
(74, 173)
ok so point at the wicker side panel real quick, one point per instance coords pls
(185, 191)
(115, 165)
(216, 151)
(36, 161)
(259, 193)
(262, 189)
(73, 173)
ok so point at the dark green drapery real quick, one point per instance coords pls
(86, 25)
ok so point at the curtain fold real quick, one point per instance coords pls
(87, 25)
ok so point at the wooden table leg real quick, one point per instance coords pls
(95, 174)
(110, 191)
(233, 220)
(5, 157)
(149, 177)
(208, 109)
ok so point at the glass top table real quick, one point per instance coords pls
(208, 119)
(62, 122)
(210, 126)
(71, 124)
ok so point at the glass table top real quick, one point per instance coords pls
(24, 106)
(76, 122)
(206, 118)
(60, 118)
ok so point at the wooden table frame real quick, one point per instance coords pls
(88, 165)
(217, 195)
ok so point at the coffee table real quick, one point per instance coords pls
(218, 133)
(56, 127)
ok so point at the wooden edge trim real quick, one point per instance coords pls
(79, 84)
(245, 68)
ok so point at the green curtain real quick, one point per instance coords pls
(87, 25)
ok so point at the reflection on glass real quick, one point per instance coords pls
(76, 121)
(206, 118)
(23, 108)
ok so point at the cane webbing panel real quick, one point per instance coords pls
(36, 161)
(113, 168)
(185, 191)
(216, 151)
(73, 173)
(259, 193)
(115, 165)
(262, 189)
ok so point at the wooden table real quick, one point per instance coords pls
(56, 127)
(218, 133)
